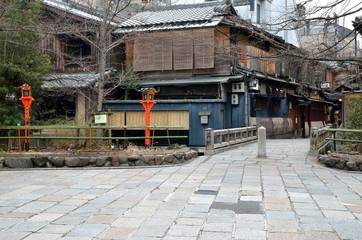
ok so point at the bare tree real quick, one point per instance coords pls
(325, 40)
(92, 23)
(326, 24)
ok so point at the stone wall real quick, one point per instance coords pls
(110, 159)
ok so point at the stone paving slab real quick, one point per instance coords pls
(231, 195)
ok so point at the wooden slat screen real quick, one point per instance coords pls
(183, 53)
(51, 45)
(135, 118)
(170, 118)
(204, 48)
(243, 57)
(160, 118)
(270, 66)
(261, 60)
(117, 119)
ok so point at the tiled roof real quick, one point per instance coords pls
(79, 10)
(178, 16)
(334, 96)
(349, 81)
(72, 80)
(69, 80)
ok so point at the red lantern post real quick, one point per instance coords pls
(27, 99)
(147, 102)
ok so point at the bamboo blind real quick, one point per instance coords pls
(129, 51)
(175, 50)
(183, 53)
(204, 48)
(153, 52)
(222, 52)
(163, 52)
(143, 54)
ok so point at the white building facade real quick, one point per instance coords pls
(271, 15)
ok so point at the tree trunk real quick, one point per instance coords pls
(102, 65)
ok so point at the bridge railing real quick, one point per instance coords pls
(318, 138)
(218, 139)
(327, 138)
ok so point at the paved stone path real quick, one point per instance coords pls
(230, 195)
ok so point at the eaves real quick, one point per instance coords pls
(191, 81)
(168, 27)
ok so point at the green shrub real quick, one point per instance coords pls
(354, 119)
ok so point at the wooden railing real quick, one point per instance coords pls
(318, 138)
(321, 139)
(342, 135)
(87, 133)
(217, 139)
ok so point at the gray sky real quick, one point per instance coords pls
(345, 6)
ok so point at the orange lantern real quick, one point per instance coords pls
(148, 100)
(26, 99)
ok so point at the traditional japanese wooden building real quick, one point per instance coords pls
(211, 70)
(69, 33)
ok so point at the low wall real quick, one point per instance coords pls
(323, 140)
(104, 159)
(351, 162)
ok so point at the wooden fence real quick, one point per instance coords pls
(327, 138)
(88, 133)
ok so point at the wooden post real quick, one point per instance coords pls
(125, 141)
(19, 140)
(168, 139)
(109, 123)
(90, 135)
(78, 135)
(10, 143)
